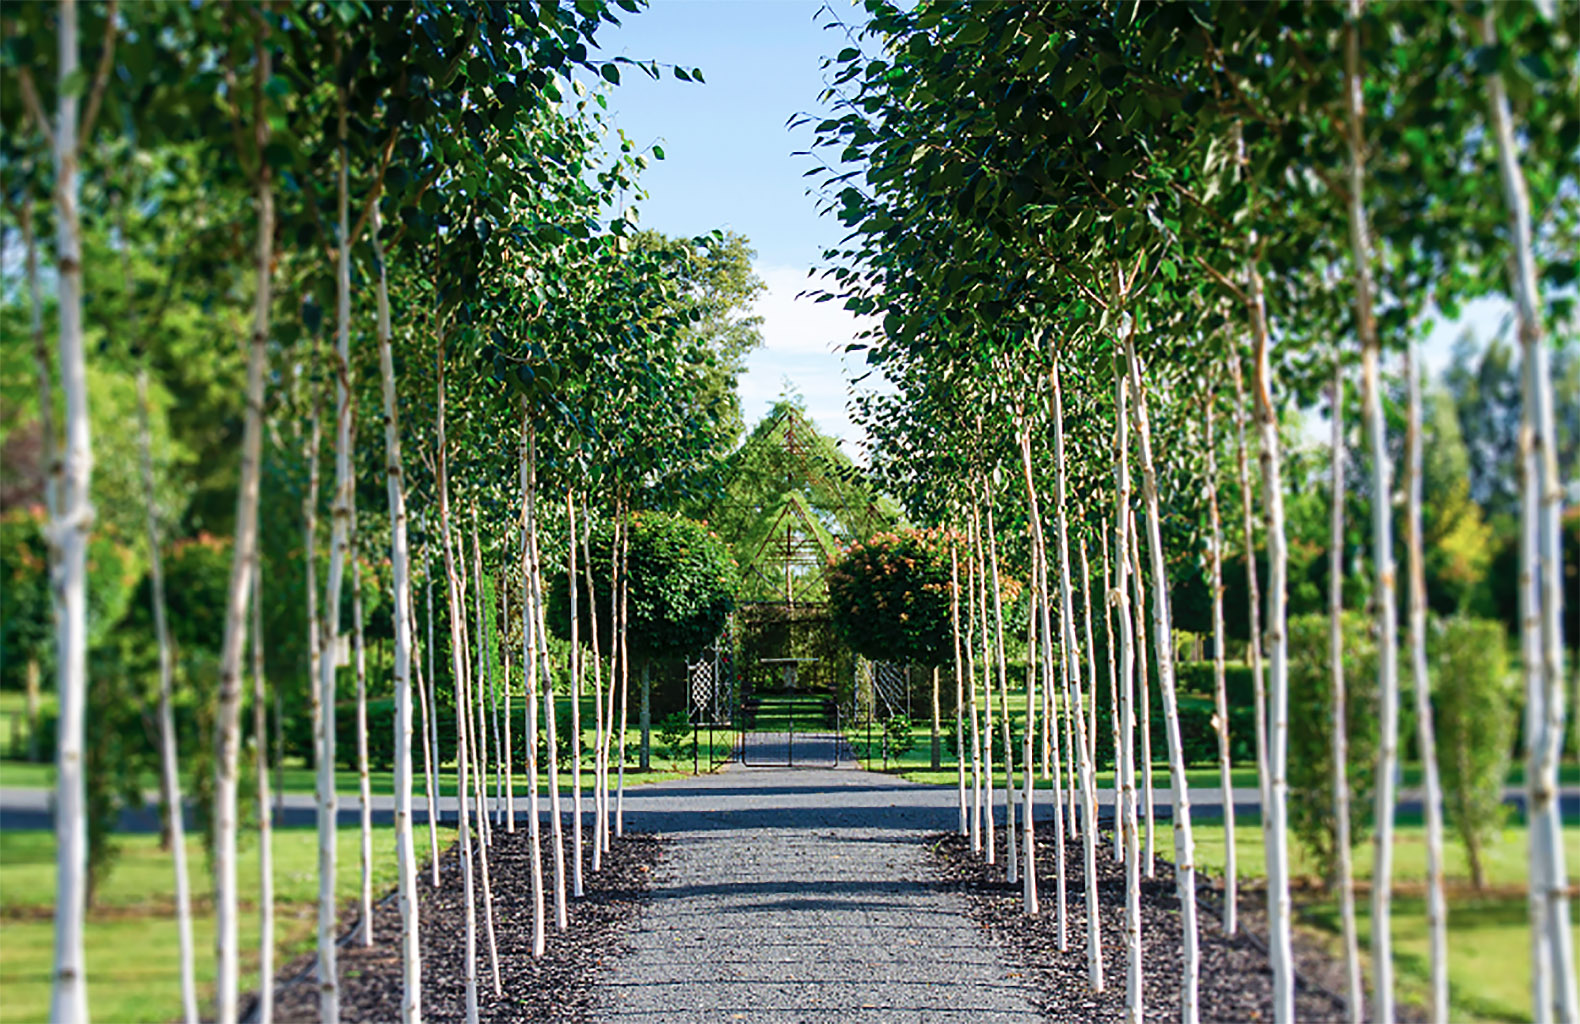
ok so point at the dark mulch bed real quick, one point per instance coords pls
(556, 988)
(1236, 982)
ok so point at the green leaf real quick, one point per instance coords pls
(610, 73)
(658, 152)
(681, 74)
(696, 75)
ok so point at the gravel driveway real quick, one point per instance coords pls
(791, 895)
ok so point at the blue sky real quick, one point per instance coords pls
(730, 164)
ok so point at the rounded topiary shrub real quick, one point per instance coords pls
(890, 597)
(682, 588)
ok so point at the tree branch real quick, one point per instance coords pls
(101, 76)
(34, 106)
(1214, 273)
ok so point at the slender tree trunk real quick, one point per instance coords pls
(960, 738)
(480, 795)
(1109, 600)
(1541, 587)
(989, 840)
(1264, 773)
(937, 761)
(68, 532)
(1426, 746)
(458, 672)
(493, 713)
(1011, 840)
(971, 690)
(1382, 534)
(1138, 584)
(426, 684)
(1088, 783)
(600, 838)
(483, 676)
(1231, 899)
(364, 780)
(623, 640)
(576, 700)
(329, 627)
(616, 543)
(1127, 759)
(260, 732)
(508, 744)
(1340, 723)
(228, 731)
(169, 758)
(550, 725)
(1163, 645)
(1094, 923)
(529, 647)
(1044, 632)
(1276, 810)
(404, 619)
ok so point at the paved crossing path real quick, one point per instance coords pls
(799, 895)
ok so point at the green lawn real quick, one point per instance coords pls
(133, 966)
(1489, 958)
(297, 777)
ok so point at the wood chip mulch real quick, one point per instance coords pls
(556, 988)
(1235, 980)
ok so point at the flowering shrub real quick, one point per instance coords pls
(890, 597)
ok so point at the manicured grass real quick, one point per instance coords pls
(1489, 950)
(297, 777)
(131, 945)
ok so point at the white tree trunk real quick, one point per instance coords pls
(622, 639)
(260, 733)
(600, 839)
(482, 677)
(169, 757)
(1134, 1009)
(1541, 590)
(989, 839)
(507, 746)
(479, 741)
(329, 628)
(68, 538)
(1088, 782)
(1011, 855)
(1044, 635)
(1340, 723)
(1264, 775)
(426, 683)
(404, 619)
(1144, 690)
(971, 690)
(458, 672)
(244, 554)
(1163, 646)
(529, 646)
(1094, 927)
(1382, 535)
(960, 736)
(1276, 810)
(1231, 878)
(364, 780)
(550, 725)
(1426, 746)
(576, 700)
(1113, 694)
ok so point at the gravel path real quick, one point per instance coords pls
(791, 895)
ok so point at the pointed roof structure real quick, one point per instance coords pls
(791, 500)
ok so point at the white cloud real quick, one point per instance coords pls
(803, 349)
